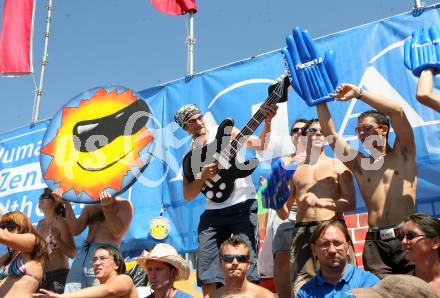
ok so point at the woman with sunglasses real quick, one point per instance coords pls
(421, 243)
(53, 227)
(22, 268)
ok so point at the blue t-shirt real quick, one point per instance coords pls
(178, 294)
(352, 279)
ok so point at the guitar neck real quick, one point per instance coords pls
(254, 122)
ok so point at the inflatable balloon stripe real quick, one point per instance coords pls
(423, 50)
(312, 76)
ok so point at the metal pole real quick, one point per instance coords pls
(191, 42)
(418, 4)
(418, 7)
(39, 91)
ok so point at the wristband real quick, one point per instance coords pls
(361, 93)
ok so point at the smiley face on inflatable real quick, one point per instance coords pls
(101, 140)
(159, 228)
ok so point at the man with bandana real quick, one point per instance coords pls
(236, 215)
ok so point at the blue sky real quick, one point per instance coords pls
(129, 43)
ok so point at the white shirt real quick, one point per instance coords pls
(244, 188)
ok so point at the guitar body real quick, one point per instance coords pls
(220, 187)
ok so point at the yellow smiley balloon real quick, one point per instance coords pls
(159, 228)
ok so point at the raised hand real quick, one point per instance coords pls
(106, 199)
(312, 76)
(423, 50)
(269, 112)
(58, 195)
(346, 92)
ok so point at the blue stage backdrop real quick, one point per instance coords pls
(370, 56)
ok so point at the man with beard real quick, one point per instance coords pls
(237, 214)
(336, 278)
(323, 189)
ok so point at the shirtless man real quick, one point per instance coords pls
(109, 268)
(284, 222)
(234, 262)
(386, 178)
(107, 221)
(323, 189)
(425, 94)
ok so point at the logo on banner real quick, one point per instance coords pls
(101, 140)
(159, 228)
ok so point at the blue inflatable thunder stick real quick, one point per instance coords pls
(312, 76)
(423, 50)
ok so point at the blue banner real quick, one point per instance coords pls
(370, 56)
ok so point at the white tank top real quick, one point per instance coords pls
(244, 188)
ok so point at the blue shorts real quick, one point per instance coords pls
(81, 274)
(215, 227)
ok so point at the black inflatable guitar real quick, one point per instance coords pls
(224, 151)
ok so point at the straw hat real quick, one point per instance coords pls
(402, 286)
(165, 253)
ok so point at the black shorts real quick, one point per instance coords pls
(55, 280)
(218, 225)
(384, 257)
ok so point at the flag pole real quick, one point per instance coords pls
(191, 42)
(418, 7)
(39, 90)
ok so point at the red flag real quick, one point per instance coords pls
(175, 7)
(16, 37)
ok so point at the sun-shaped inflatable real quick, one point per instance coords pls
(99, 141)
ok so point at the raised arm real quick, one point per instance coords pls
(343, 151)
(260, 143)
(401, 125)
(117, 222)
(425, 94)
(76, 225)
(20, 242)
(121, 286)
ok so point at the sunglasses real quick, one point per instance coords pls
(410, 235)
(9, 225)
(365, 128)
(295, 130)
(46, 197)
(313, 130)
(239, 258)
